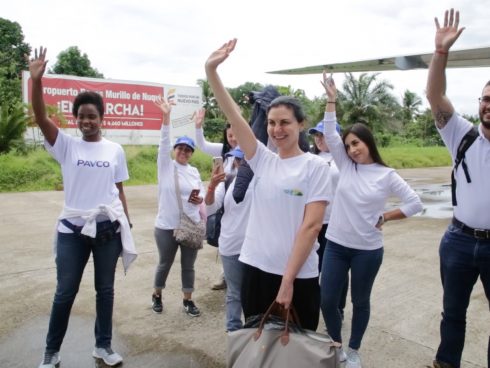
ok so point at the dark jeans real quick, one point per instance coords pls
(72, 253)
(463, 258)
(322, 241)
(259, 290)
(364, 266)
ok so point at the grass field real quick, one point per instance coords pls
(38, 171)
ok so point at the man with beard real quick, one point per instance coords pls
(465, 247)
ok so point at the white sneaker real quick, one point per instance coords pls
(341, 354)
(109, 357)
(50, 360)
(353, 359)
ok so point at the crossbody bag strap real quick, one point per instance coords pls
(177, 190)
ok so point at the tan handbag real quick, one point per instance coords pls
(189, 233)
(279, 342)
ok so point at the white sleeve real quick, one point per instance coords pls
(210, 148)
(59, 149)
(317, 185)
(164, 160)
(260, 157)
(121, 173)
(334, 141)
(411, 203)
(453, 132)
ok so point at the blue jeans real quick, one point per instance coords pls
(72, 254)
(463, 258)
(233, 270)
(322, 241)
(364, 266)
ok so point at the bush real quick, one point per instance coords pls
(13, 124)
(34, 171)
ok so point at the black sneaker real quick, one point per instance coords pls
(191, 309)
(157, 305)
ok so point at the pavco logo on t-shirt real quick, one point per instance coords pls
(93, 163)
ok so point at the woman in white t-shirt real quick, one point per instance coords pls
(168, 217)
(94, 218)
(288, 202)
(233, 226)
(215, 149)
(355, 240)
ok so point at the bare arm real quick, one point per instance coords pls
(37, 66)
(122, 197)
(245, 136)
(303, 244)
(216, 178)
(441, 106)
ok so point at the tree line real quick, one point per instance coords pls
(363, 98)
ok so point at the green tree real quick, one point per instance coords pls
(423, 131)
(209, 101)
(12, 61)
(368, 100)
(411, 104)
(73, 62)
(240, 95)
(13, 124)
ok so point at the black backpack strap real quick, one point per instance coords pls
(465, 143)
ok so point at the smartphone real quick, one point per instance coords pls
(218, 165)
(194, 193)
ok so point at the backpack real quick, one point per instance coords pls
(465, 143)
(213, 222)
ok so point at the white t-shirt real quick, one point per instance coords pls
(473, 198)
(168, 217)
(281, 190)
(361, 196)
(332, 181)
(235, 218)
(90, 172)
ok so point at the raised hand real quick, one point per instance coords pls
(217, 176)
(220, 55)
(37, 64)
(449, 33)
(198, 117)
(329, 84)
(166, 108)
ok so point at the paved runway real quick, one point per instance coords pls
(406, 300)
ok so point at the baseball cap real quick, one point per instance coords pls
(237, 152)
(185, 140)
(319, 128)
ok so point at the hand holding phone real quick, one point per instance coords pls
(218, 165)
(193, 195)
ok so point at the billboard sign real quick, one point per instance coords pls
(130, 116)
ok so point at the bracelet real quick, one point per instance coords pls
(331, 102)
(442, 52)
(210, 189)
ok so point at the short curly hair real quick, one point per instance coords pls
(88, 97)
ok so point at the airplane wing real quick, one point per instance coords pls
(468, 58)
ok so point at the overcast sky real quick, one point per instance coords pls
(169, 41)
